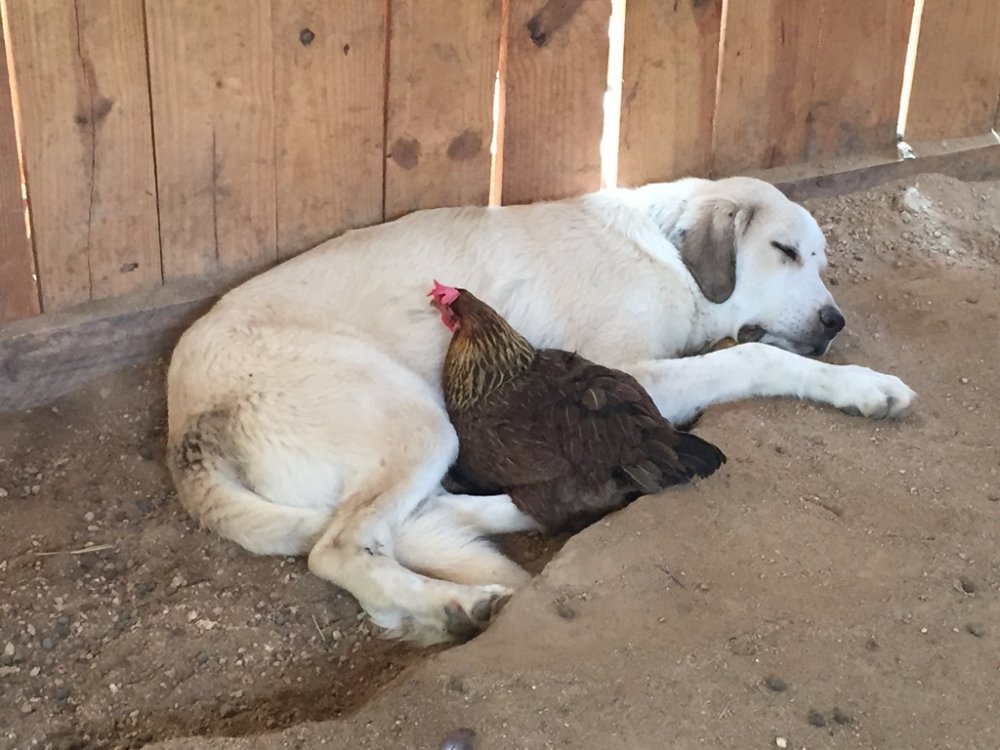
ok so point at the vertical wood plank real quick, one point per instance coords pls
(81, 77)
(211, 72)
(443, 60)
(18, 289)
(956, 76)
(557, 63)
(329, 63)
(668, 90)
(858, 77)
(808, 79)
(765, 83)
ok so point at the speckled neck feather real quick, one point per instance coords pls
(484, 353)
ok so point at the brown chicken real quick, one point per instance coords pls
(569, 440)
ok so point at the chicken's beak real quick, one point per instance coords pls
(448, 316)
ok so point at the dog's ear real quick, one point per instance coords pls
(707, 234)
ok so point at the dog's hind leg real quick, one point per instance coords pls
(360, 548)
(444, 539)
(358, 553)
(487, 514)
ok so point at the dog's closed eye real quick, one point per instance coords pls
(790, 252)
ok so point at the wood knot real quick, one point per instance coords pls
(550, 18)
(306, 36)
(465, 146)
(100, 109)
(406, 152)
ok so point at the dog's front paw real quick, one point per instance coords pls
(862, 392)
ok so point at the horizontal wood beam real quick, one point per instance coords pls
(802, 182)
(47, 356)
(44, 357)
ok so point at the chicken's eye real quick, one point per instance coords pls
(789, 252)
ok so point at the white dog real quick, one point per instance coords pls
(305, 408)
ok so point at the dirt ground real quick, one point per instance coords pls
(837, 585)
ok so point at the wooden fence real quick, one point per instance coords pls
(159, 140)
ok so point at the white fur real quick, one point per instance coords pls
(325, 430)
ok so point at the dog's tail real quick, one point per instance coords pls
(211, 489)
(435, 542)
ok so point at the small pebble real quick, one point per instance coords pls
(61, 694)
(461, 739)
(228, 711)
(27, 708)
(968, 585)
(976, 629)
(8, 650)
(841, 718)
(144, 588)
(776, 684)
(565, 611)
(202, 658)
(816, 719)
(781, 742)
(48, 644)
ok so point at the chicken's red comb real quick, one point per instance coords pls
(442, 294)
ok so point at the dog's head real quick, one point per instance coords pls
(761, 256)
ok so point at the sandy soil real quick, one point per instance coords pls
(836, 586)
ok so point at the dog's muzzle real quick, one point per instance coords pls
(829, 322)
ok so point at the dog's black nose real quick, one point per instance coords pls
(831, 319)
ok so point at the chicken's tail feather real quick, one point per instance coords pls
(699, 457)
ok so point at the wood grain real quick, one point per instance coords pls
(765, 83)
(858, 77)
(443, 63)
(81, 77)
(329, 62)
(212, 77)
(956, 77)
(556, 75)
(18, 289)
(668, 90)
(800, 82)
